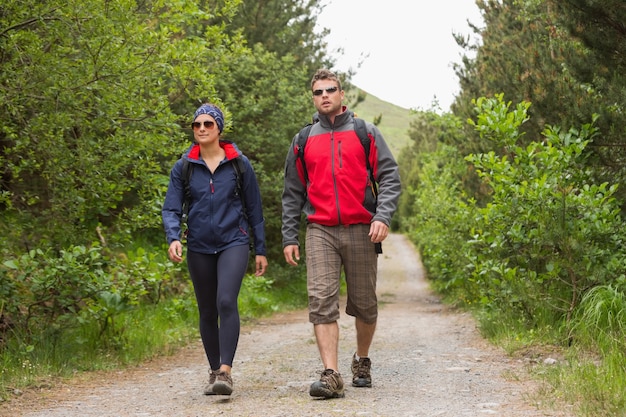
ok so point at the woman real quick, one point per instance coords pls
(218, 236)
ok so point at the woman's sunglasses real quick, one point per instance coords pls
(207, 124)
(329, 90)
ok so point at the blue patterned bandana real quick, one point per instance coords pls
(213, 111)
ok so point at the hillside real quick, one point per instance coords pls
(394, 123)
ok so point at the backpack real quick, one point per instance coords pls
(361, 130)
(239, 167)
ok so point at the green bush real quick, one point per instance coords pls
(538, 253)
(43, 290)
(438, 224)
(548, 235)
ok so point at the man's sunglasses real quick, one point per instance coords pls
(207, 124)
(329, 90)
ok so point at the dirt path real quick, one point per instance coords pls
(427, 361)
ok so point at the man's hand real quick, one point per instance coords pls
(378, 231)
(292, 254)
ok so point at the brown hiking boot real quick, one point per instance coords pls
(330, 385)
(223, 383)
(361, 376)
(208, 389)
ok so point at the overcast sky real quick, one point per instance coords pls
(410, 46)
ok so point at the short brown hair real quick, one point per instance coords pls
(324, 74)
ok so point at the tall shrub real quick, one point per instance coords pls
(549, 234)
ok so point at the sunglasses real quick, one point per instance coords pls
(207, 124)
(329, 90)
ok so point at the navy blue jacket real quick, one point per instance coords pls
(215, 220)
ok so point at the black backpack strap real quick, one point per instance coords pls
(303, 135)
(187, 169)
(240, 168)
(361, 130)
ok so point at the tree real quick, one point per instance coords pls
(563, 56)
(285, 27)
(601, 28)
(521, 57)
(87, 91)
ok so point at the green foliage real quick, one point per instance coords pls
(523, 53)
(284, 27)
(599, 28)
(113, 332)
(434, 207)
(87, 91)
(540, 259)
(45, 291)
(566, 57)
(138, 335)
(436, 218)
(548, 235)
(600, 322)
(544, 237)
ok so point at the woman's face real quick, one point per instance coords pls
(205, 129)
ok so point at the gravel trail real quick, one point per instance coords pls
(427, 360)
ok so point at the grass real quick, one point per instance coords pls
(591, 386)
(590, 373)
(139, 334)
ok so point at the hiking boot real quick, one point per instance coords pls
(223, 383)
(208, 389)
(330, 385)
(361, 376)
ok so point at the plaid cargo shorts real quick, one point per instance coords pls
(328, 248)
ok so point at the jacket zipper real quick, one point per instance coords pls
(332, 142)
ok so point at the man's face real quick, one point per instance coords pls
(327, 97)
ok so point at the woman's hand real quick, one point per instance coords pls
(175, 251)
(261, 265)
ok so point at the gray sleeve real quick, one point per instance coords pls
(293, 198)
(388, 178)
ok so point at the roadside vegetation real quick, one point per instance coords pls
(149, 311)
(515, 197)
(539, 256)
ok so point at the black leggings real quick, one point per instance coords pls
(216, 282)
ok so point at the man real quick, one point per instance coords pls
(346, 223)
